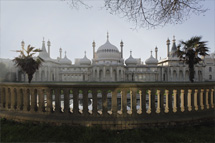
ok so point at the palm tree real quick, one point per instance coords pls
(26, 62)
(191, 52)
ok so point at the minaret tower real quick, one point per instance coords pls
(23, 44)
(94, 45)
(168, 43)
(156, 52)
(60, 53)
(121, 45)
(49, 44)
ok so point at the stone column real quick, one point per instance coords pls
(212, 98)
(41, 100)
(189, 100)
(174, 101)
(207, 103)
(201, 99)
(195, 99)
(150, 102)
(33, 100)
(123, 101)
(75, 101)
(95, 103)
(104, 102)
(182, 100)
(85, 101)
(49, 100)
(114, 102)
(133, 93)
(158, 102)
(167, 101)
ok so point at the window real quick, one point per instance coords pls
(210, 77)
(210, 69)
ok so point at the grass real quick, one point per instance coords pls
(28, 132)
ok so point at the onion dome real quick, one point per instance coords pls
(151, 60)
(85, 60)
(108, 51)
(65, 60)
(131, 60)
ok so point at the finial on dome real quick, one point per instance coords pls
(94, 44)
(151, 52)
(168, 41)
(43, 39)
(130, 53)
(121, 43)
(173, 39)
(107, 36)
(85, 53)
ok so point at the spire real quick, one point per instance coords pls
(174, 49)
(156, 52)
(23, 44)
(130, 53)
(107, 36)
(85, 53)
(121, 45)
(94, 45)
(48, 44)
(43, 45)
(60, 50)
(168, 43)
(151, 52)
(65, 53)
(173, 39)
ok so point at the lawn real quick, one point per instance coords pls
(28, 132)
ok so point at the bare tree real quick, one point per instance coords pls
(150, 13)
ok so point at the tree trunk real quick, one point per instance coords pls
(191, 72)
(30, 76)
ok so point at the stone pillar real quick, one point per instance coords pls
(114, 102)
(195, 99)
(133, 93)
(49, 100)
(123, 101)
(13, 102)
(150, 102)
(104, 102)
(57, 101)
(189, 100)
(174, 101)
(167, 101)
(182, 101)
(212, 98)
(201, 99)
(85, 101)
(41, 100)
(33, 100)
(158, 102)
(207, 103)
(95, 103)
(75, 101)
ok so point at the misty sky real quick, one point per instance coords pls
(74, 30)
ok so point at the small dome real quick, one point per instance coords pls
(151, 60)
(65, 60)
(85, 61)
(130, 60)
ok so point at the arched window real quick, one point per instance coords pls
(210, 69)
(210, 77)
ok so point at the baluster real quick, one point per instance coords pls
(75, 101)
(182, 101)
(19, 98)
(41, 100)
(212, 98)
(162, 101)
(114, 102)
(189, 100)
(123, 101)
(174, 101)
(158, 110)
(26, 95)
(150, 102)
(13, 103)
(57, 100)
(85, 101)
(201, 99)
(170, 100)
(133, 93)
(195, 99)
(33, 100)
(167, 101)
(49, 100)
(104, 102)
(143, 101)
(207, 103)
(94, 94)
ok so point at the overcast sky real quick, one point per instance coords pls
(74, 30)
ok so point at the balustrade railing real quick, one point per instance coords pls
(107, 100)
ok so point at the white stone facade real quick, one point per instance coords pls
(108, 65)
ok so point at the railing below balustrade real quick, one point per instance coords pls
(102, 99)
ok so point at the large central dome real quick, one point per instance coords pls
(108, 51)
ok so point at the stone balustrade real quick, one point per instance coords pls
(109, 105)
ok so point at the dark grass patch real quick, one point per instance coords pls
(28, 132)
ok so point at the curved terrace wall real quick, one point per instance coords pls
(109, 105)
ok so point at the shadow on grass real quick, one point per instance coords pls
(28, 132)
